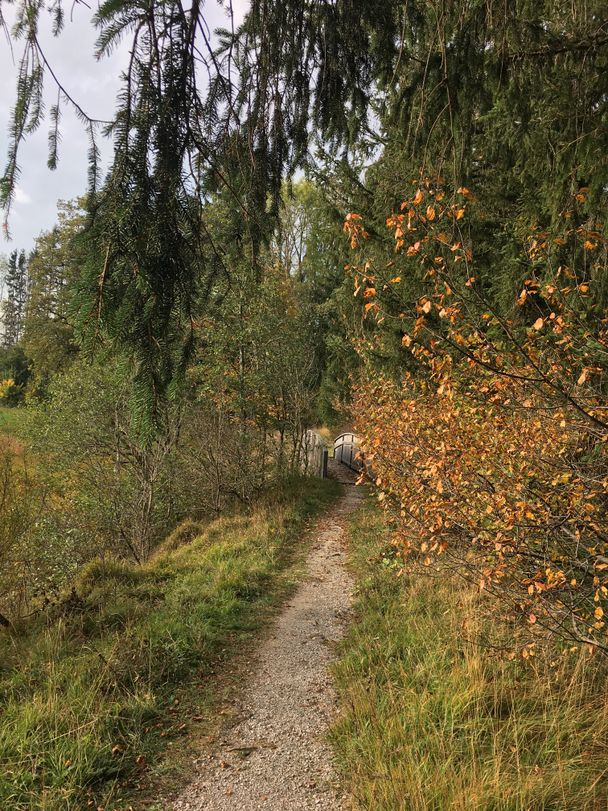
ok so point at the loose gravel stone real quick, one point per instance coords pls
(276, 757)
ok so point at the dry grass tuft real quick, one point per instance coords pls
(435, 715)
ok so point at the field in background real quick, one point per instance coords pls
(89, 687)
(10, 420)
(437, 713)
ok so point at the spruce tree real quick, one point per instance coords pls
(16, 298)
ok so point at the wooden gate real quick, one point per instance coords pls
(315, 455)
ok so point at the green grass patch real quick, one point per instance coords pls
(85, 691)
(433, 718)
(11, 420)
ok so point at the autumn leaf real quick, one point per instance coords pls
(418, 197)
(539, 324)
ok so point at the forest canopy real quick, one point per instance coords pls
(508, 98)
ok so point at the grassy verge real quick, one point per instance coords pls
(87, 694)
(433, 718)
(10, 420)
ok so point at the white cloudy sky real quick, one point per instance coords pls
(94, 85)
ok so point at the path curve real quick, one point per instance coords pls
(276, 757)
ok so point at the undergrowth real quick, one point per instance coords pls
(436, 715)
(83, 685)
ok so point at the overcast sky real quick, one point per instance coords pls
(95, 86)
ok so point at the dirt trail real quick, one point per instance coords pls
(275, 758)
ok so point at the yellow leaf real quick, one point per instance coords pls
(426, 307)
(430, 214)
(539, 324)
(582, 378)
(460, 213)
(598, 613)
(418, 197)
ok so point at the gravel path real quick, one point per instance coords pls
(275, 758)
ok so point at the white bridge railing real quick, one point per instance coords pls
(346, 451)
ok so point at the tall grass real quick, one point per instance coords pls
(436, 716)
(82, 687)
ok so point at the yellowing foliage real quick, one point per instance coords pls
(490, 456)
(7, 389)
